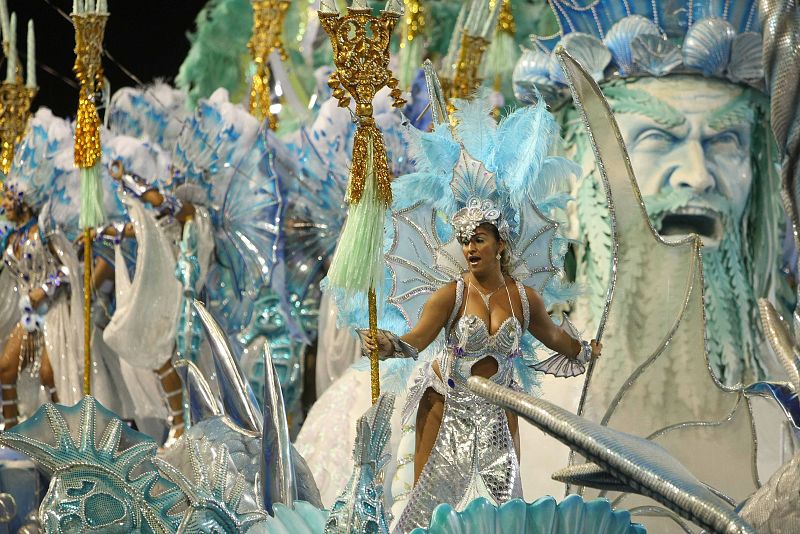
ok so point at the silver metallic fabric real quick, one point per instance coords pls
(628, 461)
(779, 336)
(775, 507)
(473, 455)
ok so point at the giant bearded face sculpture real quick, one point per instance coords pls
(684, 82)
(690, 142)
(691, 139)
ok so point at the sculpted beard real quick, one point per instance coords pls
(731, 309)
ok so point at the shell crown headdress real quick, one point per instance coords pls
(622, 38)
(479, 171)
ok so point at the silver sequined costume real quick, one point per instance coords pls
(474, 451)
(31, 263)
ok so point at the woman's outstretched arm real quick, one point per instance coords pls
(435, 313)
(551, 335)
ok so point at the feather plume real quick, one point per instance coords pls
(475, 127)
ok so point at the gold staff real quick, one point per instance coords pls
(89, 19)
(360, 44)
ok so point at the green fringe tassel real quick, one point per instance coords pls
(92, 212)
(501, 57)
(357, 264)
(409, 60)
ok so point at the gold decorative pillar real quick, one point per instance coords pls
(15, 94)
(467, 79)
(15, 109)
(268, 17)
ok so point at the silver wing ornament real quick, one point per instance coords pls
(655, 382)
(419, 260)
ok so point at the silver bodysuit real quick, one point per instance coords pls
(31, 265)
(473, 455)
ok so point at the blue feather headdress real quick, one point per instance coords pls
(33, 169)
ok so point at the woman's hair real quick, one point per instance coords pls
(505, 255)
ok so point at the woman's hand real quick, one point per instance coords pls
(368, 344)
(597, 348)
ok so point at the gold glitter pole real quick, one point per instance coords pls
(360, 43)
(374, 369)
(268, 17)
(89, 31)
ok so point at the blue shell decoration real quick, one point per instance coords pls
(544, 516)
(587, 50)
(707, 46)
(655, 55)
(532, 69)
(302, 518)
(621, 35)
(747, 58)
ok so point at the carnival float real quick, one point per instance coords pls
(432, 266)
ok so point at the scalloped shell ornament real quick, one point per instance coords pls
(707, 46)
(655, 55)
(620, 37)
(543, 516)
(532, 70)
(589, 51)
(747, 59)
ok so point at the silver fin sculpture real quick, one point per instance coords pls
(289, 473)
(438, 102)
(220, 500)
(277, 469)
(237, 395)
(202, 402)
(360, 506)
(657, 383)
(622, 462)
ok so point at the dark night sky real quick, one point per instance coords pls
(147, 37)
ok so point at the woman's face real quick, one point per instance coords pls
(11, 209)
(482, 249)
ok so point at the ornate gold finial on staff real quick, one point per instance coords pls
(89, 18)
(15, 94)
(268, 17)
(360, 44)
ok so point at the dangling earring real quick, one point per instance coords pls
(498, 256)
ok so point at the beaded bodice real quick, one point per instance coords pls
(29, 260)
(470, 341)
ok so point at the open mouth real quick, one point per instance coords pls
(473, 260)
(704, 222)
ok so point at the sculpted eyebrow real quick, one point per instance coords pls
(636, 101)
(737, 111)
